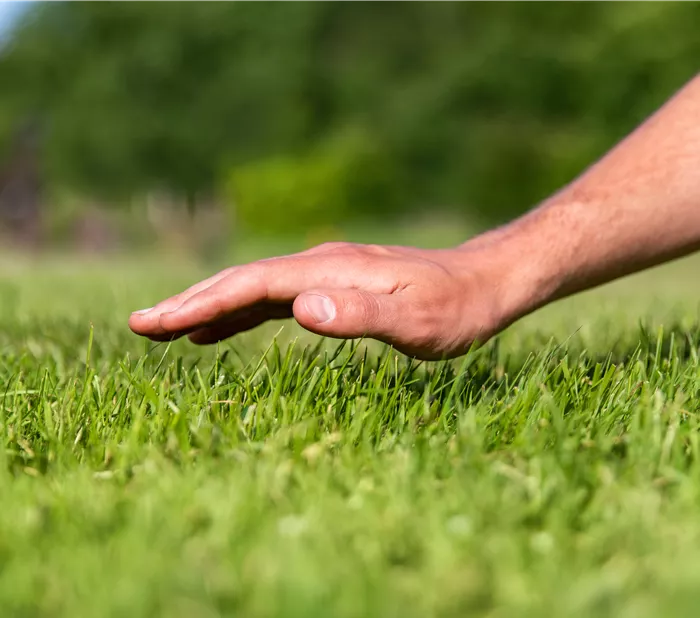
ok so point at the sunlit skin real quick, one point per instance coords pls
(637, 207)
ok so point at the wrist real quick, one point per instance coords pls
(516, 265)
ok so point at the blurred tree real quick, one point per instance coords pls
(143, 95)
(343, 177)
(482, 107)
(21, 189)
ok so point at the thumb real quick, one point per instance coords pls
(348, 314)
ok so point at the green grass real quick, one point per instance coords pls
(554, 472)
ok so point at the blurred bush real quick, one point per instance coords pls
(342, 178)
(480, 109)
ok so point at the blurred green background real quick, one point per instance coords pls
(194, 127)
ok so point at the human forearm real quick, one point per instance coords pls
(637, 207)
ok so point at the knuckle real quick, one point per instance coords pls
(334, 246)
(367, 306)
(255, 273)
(374, 249)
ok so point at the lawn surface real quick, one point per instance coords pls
(554, 472)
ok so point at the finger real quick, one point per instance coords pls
(239, 323)
(276, 282)
(172, 303)
(351, 313)
(145, 321)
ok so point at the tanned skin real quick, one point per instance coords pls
(637, 207)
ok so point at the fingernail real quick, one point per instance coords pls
(320, 307)
(142, 311)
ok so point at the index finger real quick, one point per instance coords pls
(146, 321)
(275, 281)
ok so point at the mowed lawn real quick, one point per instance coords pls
(554, 472)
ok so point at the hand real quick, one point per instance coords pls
(636, 207)
(428, 304)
